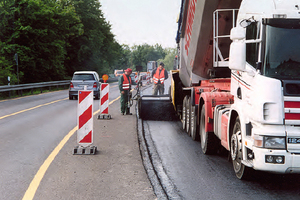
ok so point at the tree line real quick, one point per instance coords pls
(49, 40)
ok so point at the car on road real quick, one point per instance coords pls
(118, 72)
(81, 80)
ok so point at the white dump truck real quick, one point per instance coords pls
(238, 81)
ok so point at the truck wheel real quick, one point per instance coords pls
(208, 139)
(236, 152)
(183, 119)
(188, 115)
(193, 124)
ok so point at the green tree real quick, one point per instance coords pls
(169, 59)
(96, 49)
(38, 32)
(141, 54)
(124, 56)
(6, 70)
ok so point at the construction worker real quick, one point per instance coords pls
(159, 75)
(125, 87)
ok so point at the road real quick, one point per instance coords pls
(33, 126)
(198, 176)
(38, 135)
(27, 125)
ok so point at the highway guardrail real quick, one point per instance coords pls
(41, 85)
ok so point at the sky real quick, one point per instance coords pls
(136, 22)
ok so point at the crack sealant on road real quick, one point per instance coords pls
(162, 185)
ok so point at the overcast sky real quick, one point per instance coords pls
(143, 21)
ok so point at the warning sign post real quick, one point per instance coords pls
(104, 102)
(85, 123)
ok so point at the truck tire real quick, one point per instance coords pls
(208, 139)
(184, 108)
(193, 124)
(236, 152)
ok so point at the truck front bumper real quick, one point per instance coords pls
(290, 164)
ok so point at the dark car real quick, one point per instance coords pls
(81, 80)
(133, 80)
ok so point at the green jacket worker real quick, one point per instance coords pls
(125, 87)
(159, 75)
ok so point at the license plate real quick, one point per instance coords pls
(82, 86)
(294, 140)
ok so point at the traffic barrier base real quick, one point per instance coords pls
(80, 150)
(104, 116)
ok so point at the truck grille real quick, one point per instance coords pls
(292, 110)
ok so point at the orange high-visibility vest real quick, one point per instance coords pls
(126, 82)
(159, 76)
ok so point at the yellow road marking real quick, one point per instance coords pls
(46, 104)
(30, 192)
(40, 174)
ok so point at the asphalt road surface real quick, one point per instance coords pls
(38, 135)
(198, 176)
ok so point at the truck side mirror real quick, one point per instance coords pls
(237, 33)
(237, 53)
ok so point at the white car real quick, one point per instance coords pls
(82, 79)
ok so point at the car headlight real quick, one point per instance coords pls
(269, 142)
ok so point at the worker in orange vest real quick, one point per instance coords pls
(159, 75)
(125, 87)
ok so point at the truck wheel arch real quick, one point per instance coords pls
(233, 116)
(206, 98)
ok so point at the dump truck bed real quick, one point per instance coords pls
(195, 38)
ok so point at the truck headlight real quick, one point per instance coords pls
(269, 142)
(274, 142)
(275, 159)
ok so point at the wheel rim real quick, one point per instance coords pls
(187, 118)
(193, 122)
(236, 151)
(203, 138)
(183, 115)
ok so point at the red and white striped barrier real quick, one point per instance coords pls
(136, 78)
(104, 102)
(85, 118)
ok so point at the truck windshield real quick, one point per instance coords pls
(282, 49)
